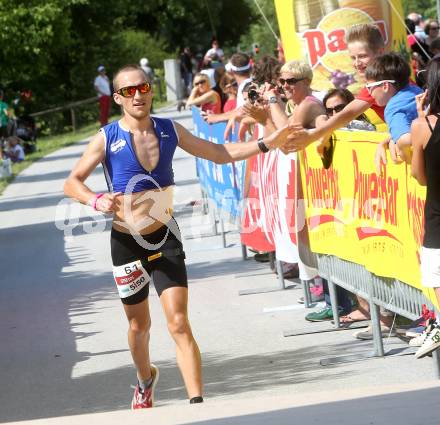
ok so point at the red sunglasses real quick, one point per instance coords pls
(130, 91)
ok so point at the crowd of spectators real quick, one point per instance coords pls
(267, 95)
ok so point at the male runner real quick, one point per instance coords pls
(136, 153)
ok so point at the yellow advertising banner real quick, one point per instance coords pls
(316, 29)
(360, 215)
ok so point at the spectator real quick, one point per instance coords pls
(388, 83)
(364, 43)
(302, 108)
(435, 46)
(335, 101)
(144, 63)
(431, 31)
(420, 50)
(425, 166)
(229, 88)
(215, 50)
(102, 87)
(186, 69)
(4, 117)
(14, 151)
(239, 67)
(204, 96)
(419, 25)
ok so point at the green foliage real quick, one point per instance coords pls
(259, 31)
(53, 47)
(426, 8)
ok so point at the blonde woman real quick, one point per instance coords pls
(204, 96)
(302, 107)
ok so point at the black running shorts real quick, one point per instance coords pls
(157, 256)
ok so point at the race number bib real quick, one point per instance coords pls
(130, 278)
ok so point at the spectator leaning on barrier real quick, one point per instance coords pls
(102, 87)
(204, 96)
(425, 167)
(364, 43)
(388, 83)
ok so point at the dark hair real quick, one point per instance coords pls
(435, 44)
(433, 86)
(428, 25)
(125, 68)
(345, 94)
(239, 60)
(266, 70)
(390, 66)
(410, 26)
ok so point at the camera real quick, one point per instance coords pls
(253, 95)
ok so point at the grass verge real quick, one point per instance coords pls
(45, 146)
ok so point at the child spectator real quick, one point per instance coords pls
(388, 83)
(425, 167)
(15, 151)
(364, 43)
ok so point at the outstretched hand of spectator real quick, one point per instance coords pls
(258, 112)
(380, 156)
(420, 104)
(395, 152)
(297, 139)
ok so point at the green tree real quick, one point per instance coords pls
(427, 8)
(260, 31)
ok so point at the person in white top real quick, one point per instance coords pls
(15, 151)
(215, 50)
(102, 87)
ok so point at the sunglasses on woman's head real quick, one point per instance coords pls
(289, 81)
(130, 91)
(336, 109)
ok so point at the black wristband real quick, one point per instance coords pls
(263, 148)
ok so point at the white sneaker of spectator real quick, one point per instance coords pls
(431, 342)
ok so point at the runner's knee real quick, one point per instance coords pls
(139, 327)
(178, 324)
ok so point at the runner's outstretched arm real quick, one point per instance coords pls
(228, 152)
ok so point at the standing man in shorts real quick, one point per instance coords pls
(136, 153)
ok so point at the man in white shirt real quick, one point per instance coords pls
(214, 50)
(102, 87)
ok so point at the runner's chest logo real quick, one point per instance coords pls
(117, 146)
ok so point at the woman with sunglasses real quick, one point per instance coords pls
(431, 30)
(204, 96)
(302, 107)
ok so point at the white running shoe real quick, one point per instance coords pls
(430, 343)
